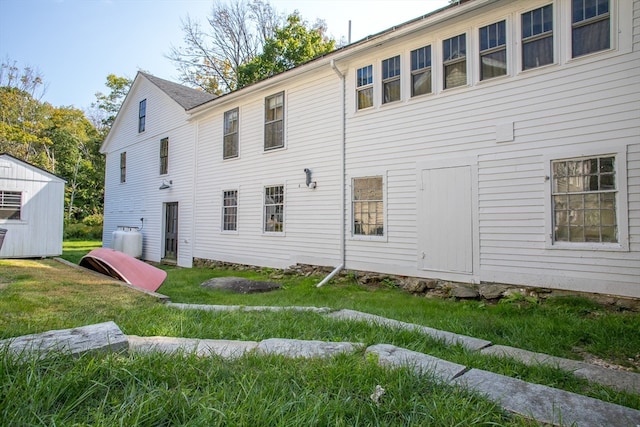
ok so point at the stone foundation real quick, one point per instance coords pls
(431, 288)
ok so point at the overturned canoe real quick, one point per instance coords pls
(124, 267)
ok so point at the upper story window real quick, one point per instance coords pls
(364, 86)
(230, 134)
(537, 37)
(584, 200)
(142, 115)
(368, 206)
(164, 156)
(590, 26)
(274, 209)
(123, 167)
(274, 121)
(391, 79)
(10, 204)
(493, 50)
(455, 61)
(421, 71)
(230, 210)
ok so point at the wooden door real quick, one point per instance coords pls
(171, 232)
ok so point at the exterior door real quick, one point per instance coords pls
(445, 227)
(171, 232)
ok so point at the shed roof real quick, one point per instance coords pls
(29, 165)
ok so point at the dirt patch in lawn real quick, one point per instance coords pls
(240, 285)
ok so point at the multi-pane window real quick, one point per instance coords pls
(368, 206)
(274, 208)
(584, 200)
(142, 115)
(590, 26)
(455, 61)
(493, 50)
(391, 79)
(164, 156)
(230, 210)
(274, 121)
(421, 71)
(10, 204)
(364, 88)
(230, 134)
(123, 167)
(537, 37)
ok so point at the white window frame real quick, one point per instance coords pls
(494, 49)
(554, 37)
(164, 156)
(365, 86)
(277, 229)
(224, 208)
(8, 203)
(421, 71)
(123, 167)
(572, 26)
(270, 122)
(391, 80)
(231, 135)
(622, 212)
(385, 233)
(142, 115)
(459, 59)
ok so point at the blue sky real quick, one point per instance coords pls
(75, 44)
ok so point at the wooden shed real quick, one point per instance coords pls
(31, 210)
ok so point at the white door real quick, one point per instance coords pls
(445, 228)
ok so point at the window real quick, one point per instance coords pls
(142, 115)
(493, 50)
(368, 215)
(421, 71)
(274, 208)
(274, 122)
(123, 167)
(10, 204)
(537, 37)
(584, 200)
(230, 210)
(391, 79)
(590, 30)
(230, 134)
(365, 87)
(164, 156)
(455, 61)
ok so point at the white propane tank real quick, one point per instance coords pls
(127, 240)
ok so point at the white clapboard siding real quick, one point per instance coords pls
(38, 232)
(312, 217)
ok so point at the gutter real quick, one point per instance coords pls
(343, 138)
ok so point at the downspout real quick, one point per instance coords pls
(342, 178)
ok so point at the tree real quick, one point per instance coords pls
(107, 106)
(236, 33)
(292, 45)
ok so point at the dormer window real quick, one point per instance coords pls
(142, 115)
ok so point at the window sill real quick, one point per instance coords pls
(363, 238)
(580, 246)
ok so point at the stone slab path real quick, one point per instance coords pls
(544, 404)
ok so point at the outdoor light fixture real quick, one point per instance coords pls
(166, 184)
(311, 184)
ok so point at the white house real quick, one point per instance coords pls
(149, 179)
(31, 210)
(489, 141)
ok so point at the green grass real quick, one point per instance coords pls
(36, 296)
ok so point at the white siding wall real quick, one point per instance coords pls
(39, 231)
(589, 104)
(140, 197)
(312, 139)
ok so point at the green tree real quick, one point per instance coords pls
(107, 105)
(291, 45)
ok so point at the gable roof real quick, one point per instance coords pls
(10, 158)
(185, 96)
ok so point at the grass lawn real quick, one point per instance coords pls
(39, 295)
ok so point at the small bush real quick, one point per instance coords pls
(93, 220)
(80, 230)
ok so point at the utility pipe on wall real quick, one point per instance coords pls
(342, 178)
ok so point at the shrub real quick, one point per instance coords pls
(80, 230)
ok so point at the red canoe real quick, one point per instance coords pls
(125, 268)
